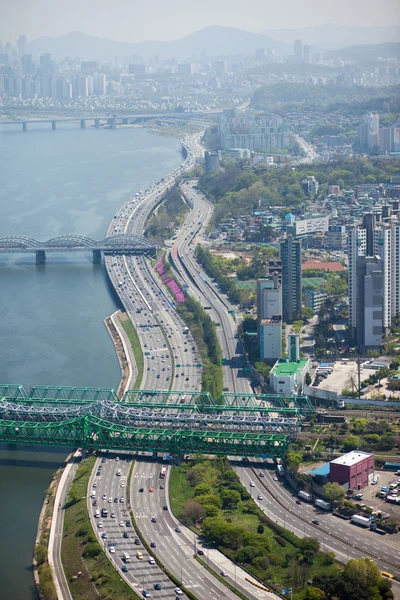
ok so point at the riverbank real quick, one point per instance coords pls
(41, 569)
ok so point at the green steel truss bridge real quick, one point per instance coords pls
(151, 420)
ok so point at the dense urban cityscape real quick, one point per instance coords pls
(236, 432)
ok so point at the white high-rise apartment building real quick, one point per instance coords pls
(376, 237)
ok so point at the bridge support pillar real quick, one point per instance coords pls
(24, 126)
(112, 123)
(83, 124)
(54, 125)
(125, 121)
(40, 257)
(97, 123)
(96, 257)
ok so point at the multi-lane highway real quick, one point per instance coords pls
(344, 538)
(165, 346)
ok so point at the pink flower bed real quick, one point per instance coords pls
(173, 286)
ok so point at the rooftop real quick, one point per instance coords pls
(322, 470)
(286, 368)
(351, 458)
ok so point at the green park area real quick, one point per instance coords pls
(209, 497)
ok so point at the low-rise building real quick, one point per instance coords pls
(353, 470)
(288, 377)
(314, 299)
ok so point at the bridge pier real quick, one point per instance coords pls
(40, 257)
(24, 126)
(112, 123)
(83, 124)
(54, 125)
(96, 257)
(125, 121)
(97, 123)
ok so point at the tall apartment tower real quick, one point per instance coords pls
(378, 237)
(370, 302)
(290, 255)
(269, 317)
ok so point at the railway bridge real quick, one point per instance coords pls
(115, 244)
(151, 420)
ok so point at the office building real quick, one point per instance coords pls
(307, 54)
(336, 237)
(269, 317)
(353, 470)
(291, 257)
(298, 50)
(309, 224)
(368, 133)
(21, 45)
(310, 186)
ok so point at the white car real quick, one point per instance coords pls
(152, 561)
(122, 485)
(178, 591)
(99, 524)
(109, 500)
(252, 484)
(112, 550)
(259, 497)
(121, 524)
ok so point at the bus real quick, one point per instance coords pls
(163, 472)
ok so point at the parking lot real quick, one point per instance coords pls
(344, 375)
(370, 498)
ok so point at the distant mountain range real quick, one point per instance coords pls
(330, 37)
(364, 53)
(211, 41)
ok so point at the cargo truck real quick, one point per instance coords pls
(305, 496)
(322, 504)
(360, 521)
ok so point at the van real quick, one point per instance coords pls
(126, 558)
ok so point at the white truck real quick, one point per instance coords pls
(305, 496)
(360, 521)
(322, 504)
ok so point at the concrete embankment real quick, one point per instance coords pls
(124, 352)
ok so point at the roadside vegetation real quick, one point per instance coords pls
(227, 285)
(167, 217)
(82, 553)
(208, 497)
(136, 347)
(204, 332)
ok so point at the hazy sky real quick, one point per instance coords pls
(135, 21)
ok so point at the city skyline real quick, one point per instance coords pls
(49, 18)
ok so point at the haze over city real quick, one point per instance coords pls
(159, 20)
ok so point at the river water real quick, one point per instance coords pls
(51, 317)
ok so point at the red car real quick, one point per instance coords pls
(298, 501)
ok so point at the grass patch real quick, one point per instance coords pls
(136, 348)
(82, 552)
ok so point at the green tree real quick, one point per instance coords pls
(314, 593)
(352, 442)
(334, 492)
(307, 313)
(230, 498)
